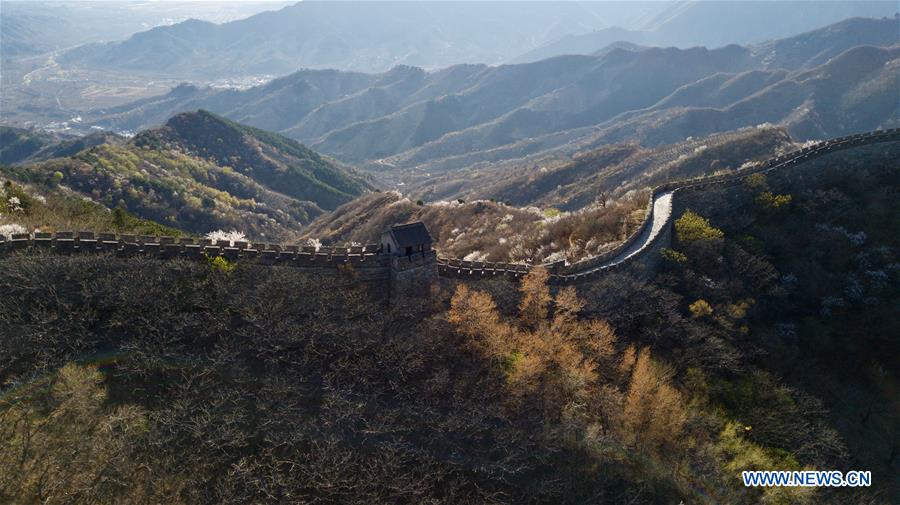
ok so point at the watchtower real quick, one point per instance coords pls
(406, 240)
(413, 262)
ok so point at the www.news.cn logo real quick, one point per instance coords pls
(807, 478)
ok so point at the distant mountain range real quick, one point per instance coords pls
(199, 172)
(35, 27)
(375, 36)
(719, 23)
(818, 84)
(364, 36)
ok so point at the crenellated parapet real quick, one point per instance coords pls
(68, 242)
(655, 229)
(461, 269)
(413, 261)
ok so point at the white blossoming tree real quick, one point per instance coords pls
(231, 236)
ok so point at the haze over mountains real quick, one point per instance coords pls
(375, 36)
(716, 23)
(364, 36)
(818, 84)
(35, 27)
(412, 124)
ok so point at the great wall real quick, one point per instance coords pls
(655, 230)
(406, 270)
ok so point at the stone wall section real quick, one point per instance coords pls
(642, 246)
(414, 274)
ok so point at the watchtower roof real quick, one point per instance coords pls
(410, 234)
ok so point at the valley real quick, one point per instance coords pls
(448, 252)
(700, 319)
(410, 125)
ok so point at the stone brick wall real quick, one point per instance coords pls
(412, 275)
(647, 256)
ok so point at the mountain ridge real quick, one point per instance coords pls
(405, 118)
(200, 172)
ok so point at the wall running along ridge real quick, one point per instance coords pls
(653, 232)
(171, 247)
(658, 220)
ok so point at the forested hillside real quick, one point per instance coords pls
(552, 209)
(26, 208)
(596, 174)
(200, 173)
(450, 253)
(797, 274)
(765, 342)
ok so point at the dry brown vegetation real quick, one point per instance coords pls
(547, 210)
(489, 231)
(594, 173)
(608, 397)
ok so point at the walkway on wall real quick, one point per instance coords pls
(662, 214)
(656, 225)
(659, 217)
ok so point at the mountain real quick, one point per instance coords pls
(19, 145)
(276, 105)
(792, 243)
(36, 27)
(804, 26)
(764, 338)
(552, 95)
(369, 116)
(589, 43)
(363, 36)
(487, 230)
(279, 163)
(548, 209)
(54, 207)
(852, 92)
(699, 22)
(816, 47)
(200, 172)
(346, 35)
(594, 176)
(407, 122)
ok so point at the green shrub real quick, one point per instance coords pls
(221, 264)
(692, 227)
(672, 255)
(771, 201)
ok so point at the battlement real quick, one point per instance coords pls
(415, 260)
(653, 231)
(656, 225)
(165, 247)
